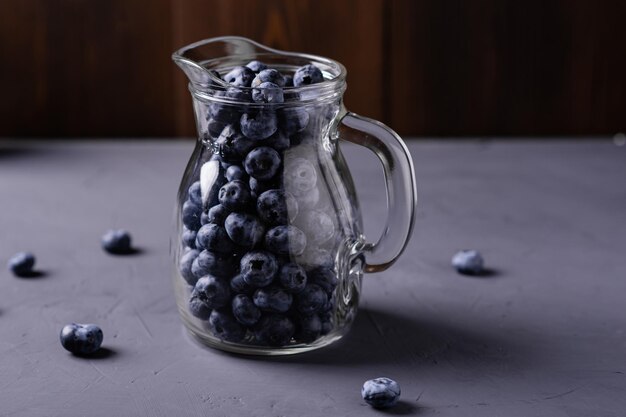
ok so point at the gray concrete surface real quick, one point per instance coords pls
(543, 335)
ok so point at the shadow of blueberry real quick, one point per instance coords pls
(33, 274)
(128, 252)
(102, 353)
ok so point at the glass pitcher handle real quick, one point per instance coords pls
(399, 181)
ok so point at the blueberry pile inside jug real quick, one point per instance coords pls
(259, 233)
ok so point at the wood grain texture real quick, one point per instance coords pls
(425, 67)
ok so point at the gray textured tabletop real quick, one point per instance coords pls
(543, 335)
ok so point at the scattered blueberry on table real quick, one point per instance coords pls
(257, 242)
(468, 262)
(117, 242)
(381, 392)
(81, 339)
(21, 264)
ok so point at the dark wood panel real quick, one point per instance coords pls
(78, 68)
(349, 31)
(506, 67)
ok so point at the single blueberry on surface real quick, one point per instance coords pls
(260, 125)
(244, 229)
(468, 262)
(285, 240)
(191, 215)
(209, 263)
(292, 277)
(273, 299)
(235, 172)
(214, 238)
(245, 311)
(381, 392)
(277, 207)
(268, 93)
(259, 268)
(274, 330)
(116, 241)
(81, 339)
(306, 75)
(300, 176)
(256, 66)
(195, 193)
(21, 264)
(311, 299)
(262, 163)
(308, 328)
(225, 327)
(189, 238)
(217, 214)
(184, 266)
(240, 76)
(235, 195)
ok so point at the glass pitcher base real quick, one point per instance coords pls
(209, 341)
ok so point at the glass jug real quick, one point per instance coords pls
(268, 245)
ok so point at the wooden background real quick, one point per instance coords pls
(425, 67)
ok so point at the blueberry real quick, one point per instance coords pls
(189, 237)
(262, 163)
(228, 112)
(22, 264)
(381, 392)
(259, 268)
(293, 119)
(327, 323)
(273, 299)
(235, 195)
(209, 293)
(215, 127)
(244, 229)
(268, 93)
(235, 172)
(191, 215)
(292, 277)
(468, 262)
(195, 193)
(308, 328)
(239, 286)
(256, 66)
(307, 74)
(324, 277)
(259, 126)
(217, 214)
(318, 226)
(258, 187)
(231, 145)
(285, 240)
(209, 263)
(225, 327)
(311, 299)
(214, 238)
(274, 330)
(245, 311)
(240, 76)
(314, 257)
(279, 141)
(116, 241)
(309, 199)
(300, 176)
(288, 80)
(184, 266)
(81, 339)
(269, 75)
(277, 207)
